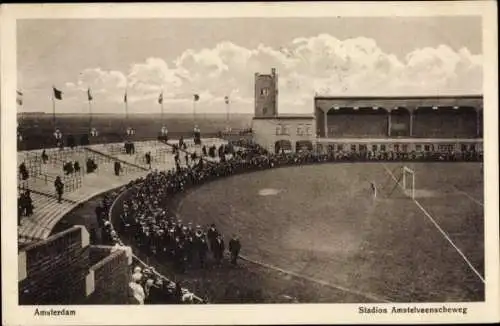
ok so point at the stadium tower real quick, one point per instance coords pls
(276, 131)
(266, 94)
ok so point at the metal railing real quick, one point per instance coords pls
(71, 182)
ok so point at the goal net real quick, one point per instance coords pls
(408, 182)
(403, 178)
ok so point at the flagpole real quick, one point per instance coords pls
(126, 109)
(194, 111)
(90, 115)
(53, 111)
(227, 113)
(162, 113)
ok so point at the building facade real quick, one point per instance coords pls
(288, 133)
(411, 116)
(278, 132)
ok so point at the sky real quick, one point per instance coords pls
(218, 57)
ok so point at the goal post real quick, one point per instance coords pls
(408, 182)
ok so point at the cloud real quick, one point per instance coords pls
(322, 64)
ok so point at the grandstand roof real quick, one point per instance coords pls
(419, 97)
(325, 103)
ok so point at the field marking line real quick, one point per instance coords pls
(466, 194)
(370, 296)
(429, 216)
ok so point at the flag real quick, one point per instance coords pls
(196, 97)
(125, 97)
(226, 99)
(89, 95)
(57, 93)
(160, 98)
(19, 99)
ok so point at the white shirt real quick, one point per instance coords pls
(138, 291)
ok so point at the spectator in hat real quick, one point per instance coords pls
(59, 185)
(219, 249)
(178, 292)
(234, 249)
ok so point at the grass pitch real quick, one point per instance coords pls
(321, 224)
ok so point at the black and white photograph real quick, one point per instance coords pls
(212, 159)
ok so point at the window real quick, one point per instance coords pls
(353, 148)
(382, 148)
(264, 111)
(362, 148)
(286, 130)
(278, 130)
(396, 147)
(340, 147)
(446, 148)
(472, 147)
(374, 148)
(309, 131)
(463, 147)
(264, 91)
(299, 130)
(418, 148)
(427, 148)
(405, 148)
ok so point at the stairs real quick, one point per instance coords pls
(46, 211)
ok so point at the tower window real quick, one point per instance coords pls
(264, 91)
(264, 111)
(278, 130)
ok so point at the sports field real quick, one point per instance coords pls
(321, 223)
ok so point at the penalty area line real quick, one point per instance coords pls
(429, 216)
(369, 296)
(466, 194)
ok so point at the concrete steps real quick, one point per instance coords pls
(48, 212)
(46, 209)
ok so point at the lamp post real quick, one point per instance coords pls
(19, 138)
(228, 124)
(93, 132)
(164, 132)
(130, 131)
(58, 136)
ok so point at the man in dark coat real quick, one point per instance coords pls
(148, 159)
(219, 248)
(234, 249)
(118, 168)
(212, 235)
(59, 185)
(29, 203)
(99, 212)
(76, 166)
(23, 171)
(45, 157)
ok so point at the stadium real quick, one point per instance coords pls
(367, 199)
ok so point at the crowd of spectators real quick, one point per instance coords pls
(146, 285)
(469, 155)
